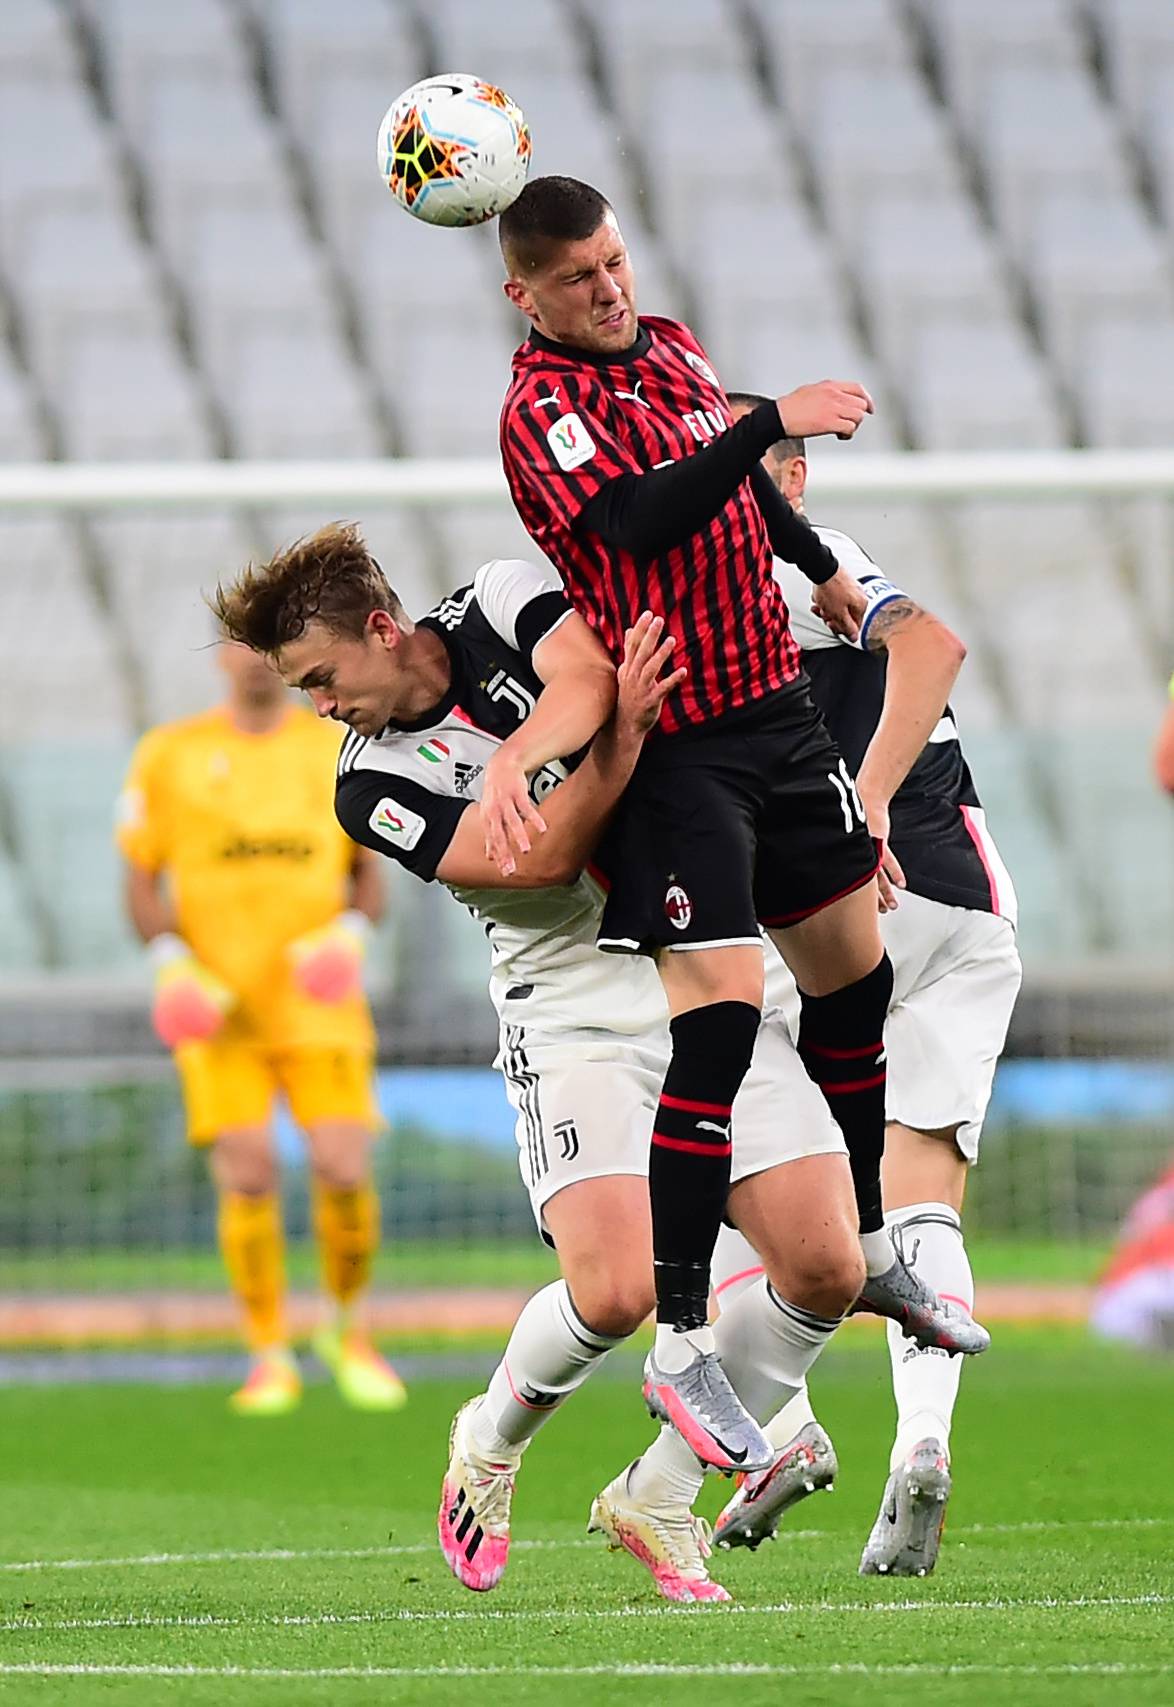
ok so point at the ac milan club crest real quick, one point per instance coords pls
(678, 908)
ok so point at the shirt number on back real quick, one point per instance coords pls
(845, 787)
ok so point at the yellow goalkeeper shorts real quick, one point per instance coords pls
(229, 1085)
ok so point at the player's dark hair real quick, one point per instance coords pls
(783, 448)
(548, 212)
(329, 577)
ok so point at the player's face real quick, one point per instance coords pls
(584, 294)
(354, 681)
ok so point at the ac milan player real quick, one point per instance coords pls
(617, 444)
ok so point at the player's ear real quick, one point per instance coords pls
(384, 627)
(795, 481)
(518, 295)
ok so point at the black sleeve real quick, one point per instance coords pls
(650, 513)
(791, 537)
(394, 816)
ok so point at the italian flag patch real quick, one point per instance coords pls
(435, 752)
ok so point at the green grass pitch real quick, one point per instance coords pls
(223, 1562)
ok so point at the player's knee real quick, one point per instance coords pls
(340, 1160)
(614, 1304)
(827, 1281)
(245, 1166)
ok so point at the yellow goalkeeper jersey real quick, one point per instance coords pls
(243, 828)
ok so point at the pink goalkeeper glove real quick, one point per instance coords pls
(190, 1002)
(328, 962)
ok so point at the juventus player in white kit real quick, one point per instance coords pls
(949, 929)
(584, 1038)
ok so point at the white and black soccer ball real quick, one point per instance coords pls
(454, 150)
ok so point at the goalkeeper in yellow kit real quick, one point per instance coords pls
(255, 907)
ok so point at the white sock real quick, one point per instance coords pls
(550, 1353)
(767, 1346)
(925, 1383)
(785, 1424)
(736, 1266)
(676, 1348)
(668, 1474)
(879, 1255)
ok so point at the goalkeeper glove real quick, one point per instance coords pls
(190, 1002)
(328, 962)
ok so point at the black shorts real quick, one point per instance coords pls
(752, 820)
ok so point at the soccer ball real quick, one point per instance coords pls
(454, 150)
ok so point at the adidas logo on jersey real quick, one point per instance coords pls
(465, 776)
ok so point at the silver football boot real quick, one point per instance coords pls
(700, 1404)
(901, 1295)
(806, 1464)
(907, 1533)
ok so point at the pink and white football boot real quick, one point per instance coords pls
(474, 1518)
(668, 1541)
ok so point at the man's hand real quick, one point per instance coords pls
(841, 603)
(190, 1002)
(890, 877)
(833, 406)
(643, 690)
(328, 962)
(506, 810)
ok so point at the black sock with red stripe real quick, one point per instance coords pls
(841, 1044)
(689, 1164)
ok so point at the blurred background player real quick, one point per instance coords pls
(1164, 747)
(949, 926)
(255, 908)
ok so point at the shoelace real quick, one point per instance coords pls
(687, 1540)
(493, 1490)
(704, 1386)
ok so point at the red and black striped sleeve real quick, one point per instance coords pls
(557, 444)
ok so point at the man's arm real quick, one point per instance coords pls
(924, 658)
(578, 697)
(368, 893)
(147, 905)
(453, 847)
(1164, 748)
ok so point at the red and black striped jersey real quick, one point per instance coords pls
(572, 422)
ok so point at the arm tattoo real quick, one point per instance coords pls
(890, 618)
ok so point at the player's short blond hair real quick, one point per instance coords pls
(328, 577)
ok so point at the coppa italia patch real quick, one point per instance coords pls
(434, 751)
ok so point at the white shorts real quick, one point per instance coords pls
(586, 1101)
(956, 975)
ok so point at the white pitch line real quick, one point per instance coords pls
(289, 1555)
(318, 1620)
(734, 1668)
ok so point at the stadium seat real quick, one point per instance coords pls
(64, 793)
(1044, 569)
(975, 42)
(20, 947)
(1157, 145)
(448, 387)
(141, 46)
(160, 410)
(1092, 259)
(38, 171)
(804, 39)
(22, 436)
(36, 46)
(668, 34)
(467, 34)
(1045, 131)
(472, 534)
(313, 49)
(978, 387)
(920, 260)
(57, 655)
(80, 275)
(1137, 37)
(856, 107)
(159, 569)
(295, 392)
(1118, 402)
